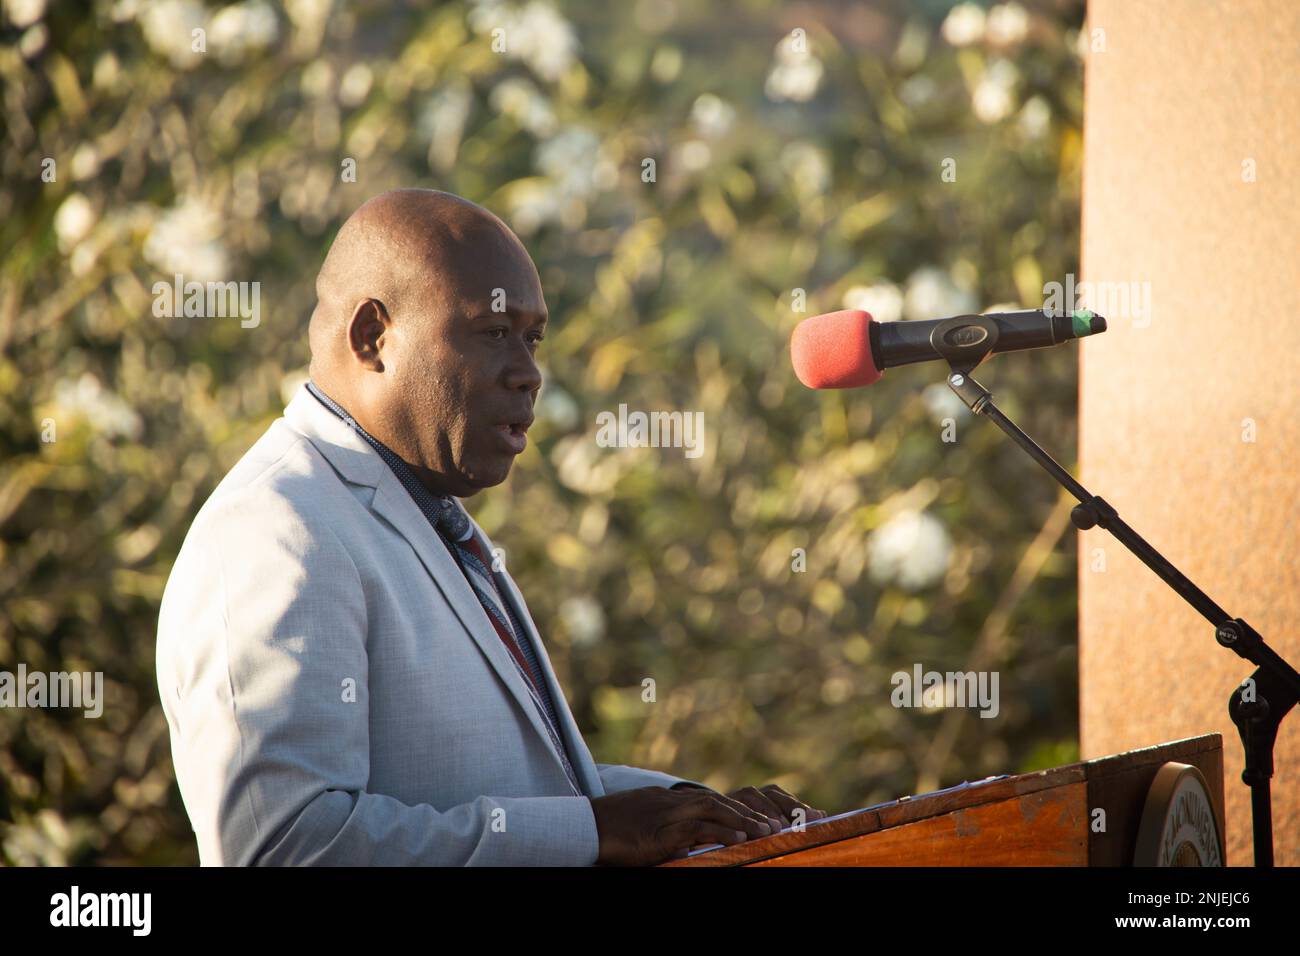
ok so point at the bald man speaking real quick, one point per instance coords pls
(348, 677)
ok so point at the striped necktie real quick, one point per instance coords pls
(454, 526)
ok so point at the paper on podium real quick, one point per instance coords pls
(964, 785)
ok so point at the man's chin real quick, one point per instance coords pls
(482, 478)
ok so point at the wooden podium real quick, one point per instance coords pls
(1047, 818)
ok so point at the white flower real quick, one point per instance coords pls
(942, 402)
(569, 159)
(605, 173)
(583, 466)
(917, 90)
(964, 25)
(883, 301)
(355, 85)
(557, 406)
(73, 220)
(105, 411)
(712, 115)
(1086, 41)
(316, 79)
(522, 102)
(573, 164)
(23, 13)
(932, 294)
(796, 82)
(242, 28)
(584, 619)
(308, 14)
(531, 204)
(186, 240)
(692, 155)
(168, 27)
(994, 95)
(547, 41)
(33, 41)
(537, 35)
(795, 75)
(442, 123)
(309, 18)
(85, 161)
(107, 71)
(910, 550)
(807, 167)
(1035, 118)
(1007, 24)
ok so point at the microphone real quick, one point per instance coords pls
(850, 349)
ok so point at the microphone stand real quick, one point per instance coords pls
(1257, 705)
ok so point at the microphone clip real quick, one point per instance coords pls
(965, 341)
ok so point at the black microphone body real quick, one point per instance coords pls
(904, 343)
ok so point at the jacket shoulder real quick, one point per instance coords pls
(282, 474)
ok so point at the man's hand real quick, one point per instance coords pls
(779, 807)
(649, 825)
(652, 824)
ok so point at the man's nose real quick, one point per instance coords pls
(522, 371)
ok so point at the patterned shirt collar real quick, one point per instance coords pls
(429, 504)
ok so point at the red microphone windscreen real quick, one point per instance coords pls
(834, 350)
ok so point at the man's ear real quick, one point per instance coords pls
(366, 331)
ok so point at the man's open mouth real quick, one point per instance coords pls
(515, 434)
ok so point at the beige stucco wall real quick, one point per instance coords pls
(1184, 92)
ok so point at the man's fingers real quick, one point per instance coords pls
(788, 803)
(688, 833)
(759, 802)
(720, 808)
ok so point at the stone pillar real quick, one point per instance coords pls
(1190, 409)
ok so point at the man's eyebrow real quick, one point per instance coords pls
(537, 318)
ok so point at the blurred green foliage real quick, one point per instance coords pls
(799, 161)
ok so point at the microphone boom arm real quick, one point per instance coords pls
(1259, 703)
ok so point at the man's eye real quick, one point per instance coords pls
(500, 333)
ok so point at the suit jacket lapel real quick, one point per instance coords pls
(357, 462)
(579, 756)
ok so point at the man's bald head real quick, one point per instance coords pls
(398, 248)
(428, 313)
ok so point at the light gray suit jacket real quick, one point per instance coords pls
(334, 690)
